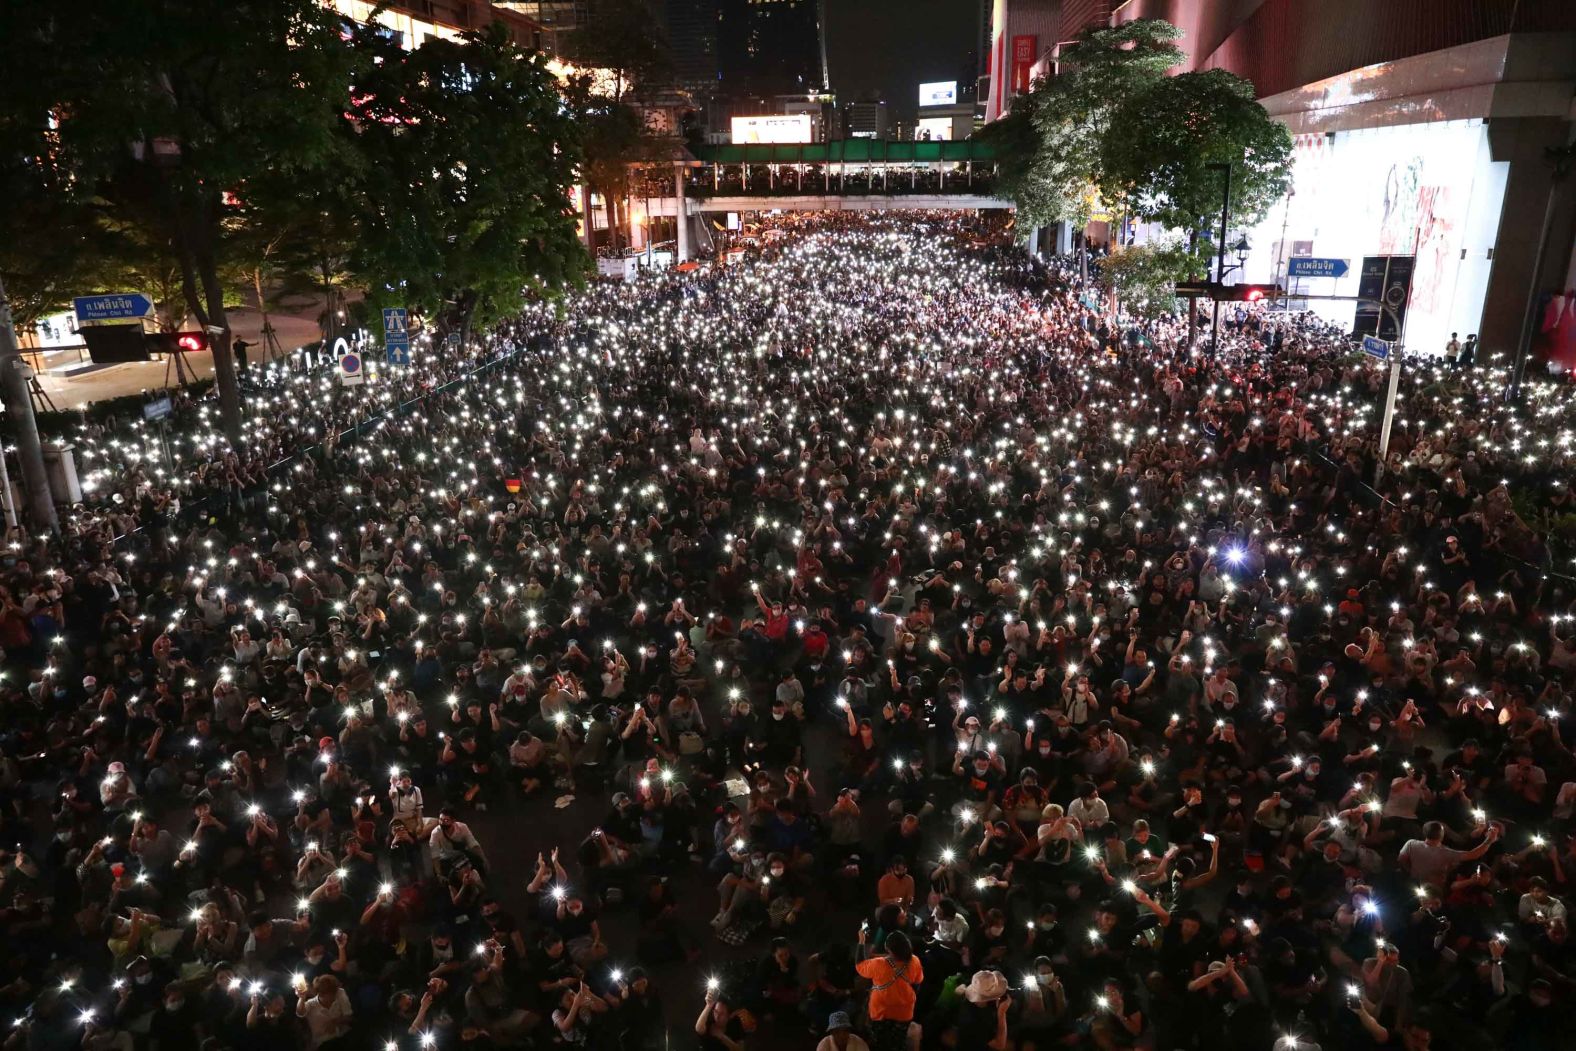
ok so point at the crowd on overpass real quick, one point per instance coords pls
(992, 669)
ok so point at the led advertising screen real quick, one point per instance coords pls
(933, 129)
(792, 127)
(938, 93)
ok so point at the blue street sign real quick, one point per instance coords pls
(1375, 347)
(1313, 266)
(122, 306)
(396, 335)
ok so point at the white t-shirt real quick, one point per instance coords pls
(325, 1023)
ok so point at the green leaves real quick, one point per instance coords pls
(1112, 126)
(462, 198)
(1143, 277)
(211, 139)
(1050, 144)
(1161, 145)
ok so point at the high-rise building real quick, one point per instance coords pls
(557, 18)
(691, 27)
(770, 47)
(866, 120)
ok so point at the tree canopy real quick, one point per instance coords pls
(1111, 126)
(462, 200)
(1142, 277)
(190, 149)
(158, 115)
(1165, 147)
(1051, 143)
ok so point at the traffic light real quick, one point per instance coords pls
(115, 344)
(177, 342)
(1247, 293)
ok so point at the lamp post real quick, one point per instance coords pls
(1220, 254)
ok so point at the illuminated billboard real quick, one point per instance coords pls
(933, 129)
(938, 93)
(792, 127)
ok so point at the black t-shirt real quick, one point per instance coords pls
(734, 1029)
(977, 787)
(1178, 956)
(570, 926)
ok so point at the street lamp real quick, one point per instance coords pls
(1241, 248)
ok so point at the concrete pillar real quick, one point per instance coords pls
(60, 464)
(1063, 235)
(680, 216)
(1514, 277)
(1034, 241)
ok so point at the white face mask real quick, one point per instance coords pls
(777, 716)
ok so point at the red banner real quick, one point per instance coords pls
(1024, 52)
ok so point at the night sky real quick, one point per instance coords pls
(889, 47)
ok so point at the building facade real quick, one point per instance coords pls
(770, 47)
(866, 120)
(413, 21)
(1420, 129)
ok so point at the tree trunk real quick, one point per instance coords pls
(611, 207)
(1083, 255)
(223, 359)
(468, 301)
(198, 266)
(262, 309)
(330, 315)
(1192, 301)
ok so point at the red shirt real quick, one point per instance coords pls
(776, 626)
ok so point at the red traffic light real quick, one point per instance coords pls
(176, 342)
(1246, 293)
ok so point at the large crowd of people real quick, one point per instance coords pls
(991, 670)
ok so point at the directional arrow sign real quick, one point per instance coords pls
(122, 306)
(1313, 266)
(1375, 347)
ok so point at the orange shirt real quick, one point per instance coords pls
(892, 888)
(892, 998)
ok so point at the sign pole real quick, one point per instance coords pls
(1389, 413)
